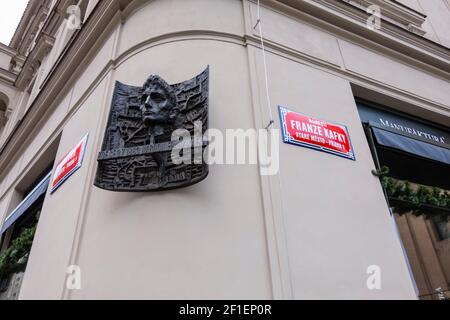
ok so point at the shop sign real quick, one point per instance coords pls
(404, 125)
(71, 162)
(302, 130)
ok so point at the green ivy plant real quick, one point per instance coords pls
(15, 258)
(407, 199)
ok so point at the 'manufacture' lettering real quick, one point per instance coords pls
(412, 131)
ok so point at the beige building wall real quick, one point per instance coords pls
(309, 232)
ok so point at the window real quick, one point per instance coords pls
(417, 154)
(17, 235)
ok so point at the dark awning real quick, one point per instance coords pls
(26, 204)
(412, 146)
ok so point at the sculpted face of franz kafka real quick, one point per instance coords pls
(136, 150)
(158, 102)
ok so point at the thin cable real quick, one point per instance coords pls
(266, 77)
(271, 122)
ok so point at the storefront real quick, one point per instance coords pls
(415, 158)
(16, 238)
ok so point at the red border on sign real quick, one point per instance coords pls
(301, 130)
(70, 163)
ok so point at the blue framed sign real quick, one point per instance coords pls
(301, 130)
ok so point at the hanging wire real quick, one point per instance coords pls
(266, 76)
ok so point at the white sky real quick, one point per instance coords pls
(10, 13)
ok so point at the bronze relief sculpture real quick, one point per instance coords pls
(137, 148)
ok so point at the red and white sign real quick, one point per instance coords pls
(68, 165)
(305, 131)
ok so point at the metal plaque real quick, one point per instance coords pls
(137, 147)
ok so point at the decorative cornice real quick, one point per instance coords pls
(30, 26)
(395, 13)
(81, 45)
(42, 48)
(8, 77)
(23, 23)
(16, 64)
(7, 50)
(340, 14)
(54, 19)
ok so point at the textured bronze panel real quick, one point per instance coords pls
(136, 151)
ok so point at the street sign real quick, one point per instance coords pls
(68, 165)
(302, 130)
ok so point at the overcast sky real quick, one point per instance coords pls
(10, 13)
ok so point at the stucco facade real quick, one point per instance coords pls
(308, 232)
